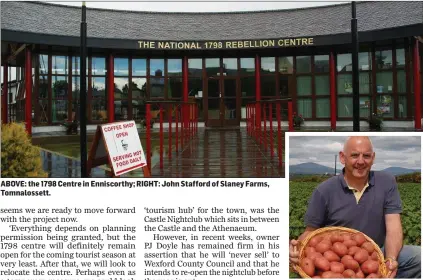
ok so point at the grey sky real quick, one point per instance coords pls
(398, 151)
(200, 6)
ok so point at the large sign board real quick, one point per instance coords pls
(124, 146)
(226, 44)
(118, 144)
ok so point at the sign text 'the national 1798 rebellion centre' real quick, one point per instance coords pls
(234, 44)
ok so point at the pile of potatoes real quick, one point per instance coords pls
(340, 255)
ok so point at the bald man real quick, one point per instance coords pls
(364, 200)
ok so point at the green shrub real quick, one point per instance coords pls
(19, 158)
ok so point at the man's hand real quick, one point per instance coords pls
(392, 267)
(294, 254)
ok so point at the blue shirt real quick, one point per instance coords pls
(334, 204)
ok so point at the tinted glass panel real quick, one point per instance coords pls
(157, 67)
(195, 67)
(157, 87)
(400, 58)
(268, 85)
(247, 65)
(322, 85)
(303, 64)
(43, 64)
(384, 82)
(365, 107)
(99, 87)
(364, 61)
(195, 87)
(267, 65)
(304, 85)
(139, 88)
(384, 59)
(344, 62)
(321, 63)
(59, 87)
(43, 89)
(212, 66)
(304, 107)
(230, 66)
(121, 66)
(364, 80)
(402, 106)
(345, 107)
(322, 108)
(60, 64)
(98, 66)
(401, 81)
(174, 87)
(139, 67)
(174, 67)
(248, 87)
(286, 65)
(385, 105)
(344, 84)
(76, 65)
(121, 88)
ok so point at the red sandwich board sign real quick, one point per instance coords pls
(119, 145)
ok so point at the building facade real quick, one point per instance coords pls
(228, 59)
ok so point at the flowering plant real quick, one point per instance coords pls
(298, 120)
(375, 121)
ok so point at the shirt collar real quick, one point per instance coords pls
(344, 184)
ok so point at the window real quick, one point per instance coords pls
(195, 82)
(248, 83)
(138, 88)
(59, 88)
(98, 89)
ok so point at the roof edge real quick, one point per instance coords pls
(203, 13)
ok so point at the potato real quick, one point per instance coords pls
(359, 274)
(375, 256)
(337, 267)
(346, 236)
(345, 258)
(330, 274)
(351, 264)
(331, 256)
(348, 273)
(322, 264)
(368, 246)
(352, 250)
(349, 243)
(359, 238)
(323, 247)
(361, 256)
(340, 249)
(314, 241)
(327, 274)
(307, 266)
(336, 238)
(315, 255)
(372, 275)
(370, 266)
(309, 250)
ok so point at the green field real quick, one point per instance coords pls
(300, 192)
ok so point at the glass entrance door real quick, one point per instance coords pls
(229, 100)
(223, 108)
(214, 112)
